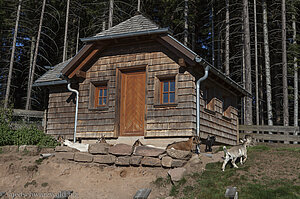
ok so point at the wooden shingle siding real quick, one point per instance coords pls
(61, 115)
(178, 120)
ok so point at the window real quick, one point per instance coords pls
(100, 96)
(167, 91)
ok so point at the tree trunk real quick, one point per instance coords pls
(267, 63)
(139, 6)
(30, 81)
(248, 81)
(186, 22)
(296, 94)
(284, 67)
(66, 31)
(12, 57)
(111, 12)
(256, 65)
(33, 43)
(227, 40)
(77, 38)
(212, 33)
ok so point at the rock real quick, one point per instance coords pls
(166, 161)
(120, 149)
(162, 155)
(135, 160)
(47, 150)
(178, 163)
(9, 148)
(177, 174)
(65, 155)
(169, 197)
(99, 148)
(123, 161)
(148, 151)
(65, 149)
(32, 149)
(83, 157)
(149, 161)
(22, 148)
(179, 154)
(105, 159)
(194, 160)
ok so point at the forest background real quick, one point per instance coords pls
(254, 42)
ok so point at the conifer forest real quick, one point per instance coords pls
(254, 42)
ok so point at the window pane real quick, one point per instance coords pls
(165, 98)
(166, 86)
(104, 100)
(172, 97)
(172, 86)
(100, 100)
(100, 92)
(105, 92)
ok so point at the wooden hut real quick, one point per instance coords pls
(135, 79)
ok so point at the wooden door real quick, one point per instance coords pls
(132, 104)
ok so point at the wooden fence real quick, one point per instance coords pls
(277, 134)
(28, 114)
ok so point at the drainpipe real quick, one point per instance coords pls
(76, 110)
(199, 60)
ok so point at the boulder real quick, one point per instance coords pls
(123, 161)
(178, 163)
(32, 149)
(177, 174)
(166, 161)
(83, 157)
(120, 149)
(99, 148)
(9, 148)
(65, 149)
(105, 159)
(22, 148)
(149, 161)
(65, 155)
(179, 154)
(148, 151)
(135, 160)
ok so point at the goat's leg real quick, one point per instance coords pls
(233, 163)
(241, 160)
(245, 158)
(225, 162)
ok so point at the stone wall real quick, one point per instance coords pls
(125, 155)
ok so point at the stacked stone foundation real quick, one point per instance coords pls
(125, 155)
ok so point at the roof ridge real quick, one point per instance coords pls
(136, 23)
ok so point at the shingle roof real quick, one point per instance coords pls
(137, 23)
(52, 75)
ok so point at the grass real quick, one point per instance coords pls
(45, 184)
(39, 161)
(289, 149)
(162, 182)
(212, 183)
(30, 183)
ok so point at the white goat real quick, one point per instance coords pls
(79, 146)
(235, 152)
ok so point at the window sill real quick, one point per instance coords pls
(165, 105)
(100, 108)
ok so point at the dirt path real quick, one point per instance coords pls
(22, 175)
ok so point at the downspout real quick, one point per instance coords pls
(199, 60)
(76, 110)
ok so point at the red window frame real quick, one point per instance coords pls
(101, 96)
(167, 92)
